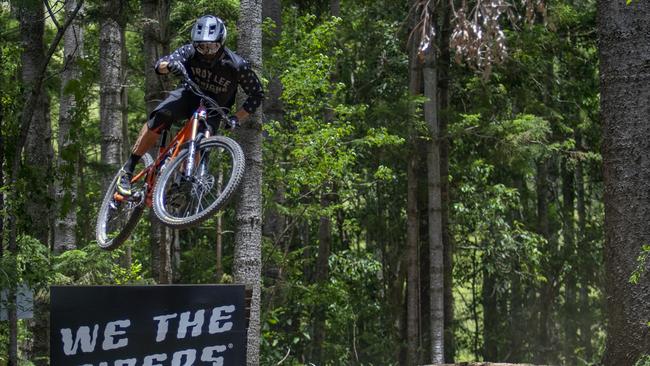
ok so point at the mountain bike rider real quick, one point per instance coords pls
(216, 69)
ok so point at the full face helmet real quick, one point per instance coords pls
(208, 34)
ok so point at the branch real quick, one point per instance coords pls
(49, 10)
(285, 357)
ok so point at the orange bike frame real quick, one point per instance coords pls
(187, 133)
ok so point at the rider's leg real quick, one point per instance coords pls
(146, 140)
(177, 105)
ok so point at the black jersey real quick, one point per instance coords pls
(220, 76)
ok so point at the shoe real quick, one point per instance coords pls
(124, 183)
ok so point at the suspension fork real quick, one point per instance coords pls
(198, 117)
(191, 155)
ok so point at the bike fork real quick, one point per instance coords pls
(191, 155)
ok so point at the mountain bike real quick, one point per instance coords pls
(193, 177)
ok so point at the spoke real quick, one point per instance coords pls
(199, 207)
(187, 209)
(193, 198)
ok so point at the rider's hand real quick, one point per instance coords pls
(176, 68)
(231, 122)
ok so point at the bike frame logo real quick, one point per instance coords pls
(178, 325)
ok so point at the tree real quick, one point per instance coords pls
(247, 265)
(413, 312)
(39, 139)
(426, 54)
(156, 44)
(624, 40)
(327, 197)
(434, 208)
(68, 139)
(34, 70)
(38, 160)
(2, 160)
(111, 71)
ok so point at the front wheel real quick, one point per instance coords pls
(117, 218)
(181, 201)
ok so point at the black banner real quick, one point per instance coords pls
(174, 325)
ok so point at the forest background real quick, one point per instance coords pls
(411, 151)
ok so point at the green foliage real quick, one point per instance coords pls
(317, 150)
(353, 307)
(644, 360)
(30, 265)
(94, 266)
(184, 15)
(642, 261)
(483, 225)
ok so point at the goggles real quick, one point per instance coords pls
(207, 48)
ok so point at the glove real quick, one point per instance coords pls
(176, 68)
(231, 122)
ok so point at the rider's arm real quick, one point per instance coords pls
(252, 86)
(182, 54)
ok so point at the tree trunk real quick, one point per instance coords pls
(126, 259)
(110, 71)
(156, 42)
(584, 265)
(436, 261)
(30, 109)
(322, 275)
(568, 209)
(2, 162)
(412, 267)
(219, 250)
(162, 239)
(68, 159)
(275, 223)
(624, 40)
(543, 228)
(335, 8)
(247, 263)
(516, 334)
(490, 317)
(444, 65)
(38, 159)
(412, 219)
(39, 139)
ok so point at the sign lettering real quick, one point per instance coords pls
(148, 326)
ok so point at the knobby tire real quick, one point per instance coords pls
(162, 193)
(132, 219)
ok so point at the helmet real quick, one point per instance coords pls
(209, 28)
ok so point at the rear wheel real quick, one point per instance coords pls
(181, 201)
(117, 218)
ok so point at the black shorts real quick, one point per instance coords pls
(179, 105)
